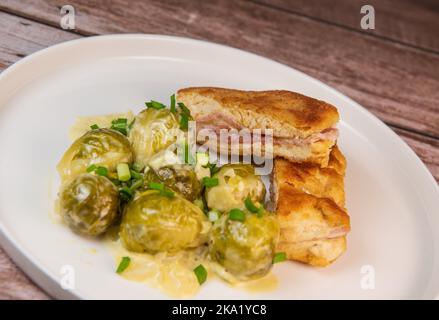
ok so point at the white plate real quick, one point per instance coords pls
(392, 199)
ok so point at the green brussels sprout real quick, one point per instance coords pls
(102, 147)
(154, 222)
(236, 182)
(89, 204)
(243, 250)
(180, 178)
(153, 131)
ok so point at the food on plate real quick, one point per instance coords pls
(89, 204)
(155, 222)
(243, 247)
(126, 177)
(153, 130)
(303, 128)
(233, 184)
(310, 208)
(180, 178)
(101, 147)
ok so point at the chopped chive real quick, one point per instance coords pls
(94, 126)
(124, 263)
(184, 109)
(184, 121)
(138, 167)
(279, 257)
(155, 105)
(210, 182)
(130, 126)
(212, 167)
(251, 206)
(123, 172)
(167, 193)
(136, 184)
(237, 215)
(102, 171)
(91, 168)
(156, 186)
(201, 274)
(126, 193)
(173, 103)
(119, 121)
(135, 174)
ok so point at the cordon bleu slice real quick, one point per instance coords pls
(310, 204)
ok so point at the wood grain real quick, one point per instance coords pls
(397, 83)
(411, 22)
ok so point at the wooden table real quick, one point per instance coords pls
(392, 70)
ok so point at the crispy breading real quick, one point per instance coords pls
(289, 114)
(310, 203)
(318, 253)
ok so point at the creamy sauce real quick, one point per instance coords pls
(82, 124)
(171, 274)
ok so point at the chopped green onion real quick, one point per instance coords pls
(252, 207)
(124, 263)
(119, 121)
(123, 172)
(173, 103)
(136, 184)
(156, 186)
(135, 174)
(101, 171)
(201, 274)
(279, 257)
(237, 215)
(210, 182)
(138, 167)
(184, 121)
(212, 167)
(91, 168)
(167, 193)
(213, 215)
(121, 125)
(184, 109)
(94, 126)
(155, 105)
(126, 193)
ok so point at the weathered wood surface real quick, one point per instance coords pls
(414, 23)
(397, 82)
(389, 79)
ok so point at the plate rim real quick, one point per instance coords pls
(37, 272)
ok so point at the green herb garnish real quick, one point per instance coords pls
(123, 172)
(212, 167)
(201, 274)
(184, 121)
(237, 215)
(155, 105)
(184, 109)
(173, 110)
(91, 168)
(120, 125)
(161, 187)
(124, 263)
(210, 182)
(94, 126)
(126, 193)
(279, 257)
(101, 171)
(252, 207)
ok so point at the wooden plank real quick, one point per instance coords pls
(14, 284)
(20, 37)
(397, 83)
(426, 148)
(415, 23)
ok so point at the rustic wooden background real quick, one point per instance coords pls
(393, 70)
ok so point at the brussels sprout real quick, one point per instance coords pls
(236, 182)
(243, 250)
(154, 222)
(179, 178)
(89, 204)
(102, 147)
(153, 131)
